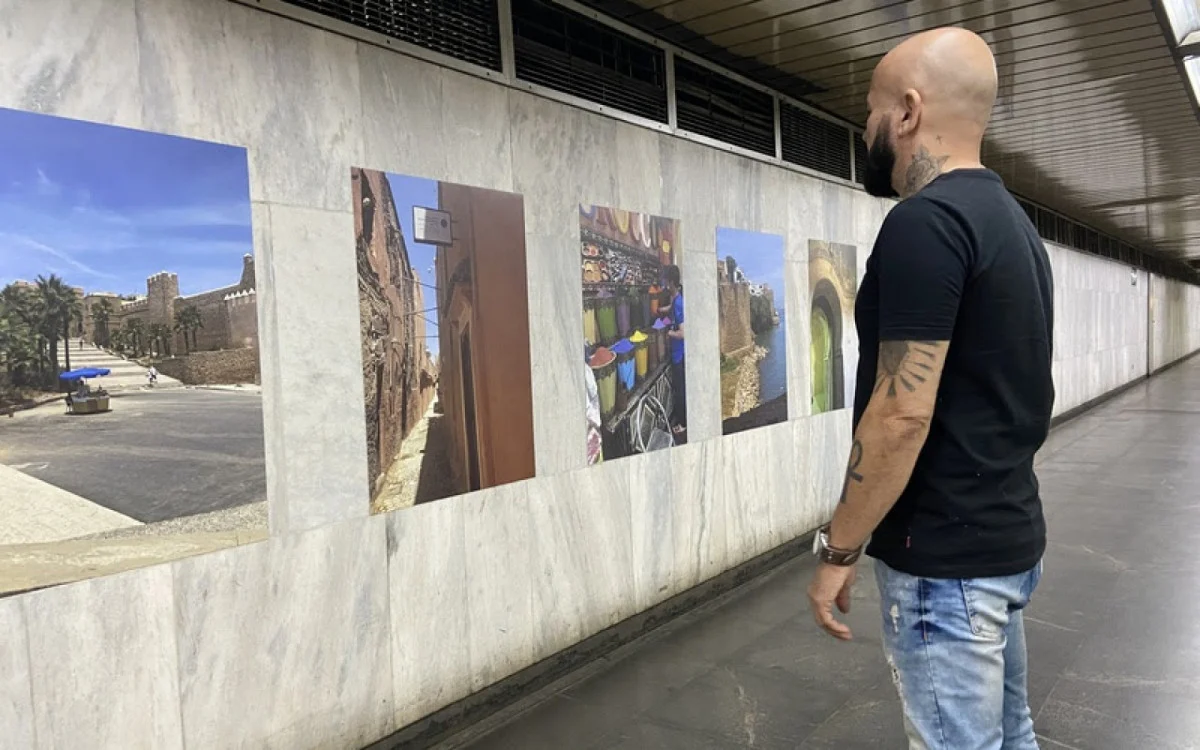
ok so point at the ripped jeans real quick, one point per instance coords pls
(957, 652)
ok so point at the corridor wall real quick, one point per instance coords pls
(1099, 326)
(342, 626)
(1174, 321)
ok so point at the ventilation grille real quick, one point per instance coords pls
(467, 30)
(710, 104)
(860, 159)
(1068, 233)
(814, 142)
(1029, 209)
(567, 52)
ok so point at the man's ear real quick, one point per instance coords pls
(913, 109)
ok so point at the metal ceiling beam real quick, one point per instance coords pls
(984, 11)
(1088, 121)
(1140, 34)
(1121, 23)
(981, 28)
(834, 96)
(1142, 54)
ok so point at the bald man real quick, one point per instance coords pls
(954, 396)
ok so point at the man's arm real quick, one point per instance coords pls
(889, 437)
(921, 261)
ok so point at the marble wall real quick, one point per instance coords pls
(342, 627)
(1174, 321)
(1099, 326)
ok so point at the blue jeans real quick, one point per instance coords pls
(957, 652)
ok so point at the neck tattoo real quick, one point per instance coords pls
(923, 169)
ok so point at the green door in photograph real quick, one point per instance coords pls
(822, 361)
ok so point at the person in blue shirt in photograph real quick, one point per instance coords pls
(674, 285)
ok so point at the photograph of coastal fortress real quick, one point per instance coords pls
(753, 329)
(444, 314)
(131, 426)
(832, 286)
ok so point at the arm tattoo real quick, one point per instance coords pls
(905, 363)
(922, 170)
(856, 456)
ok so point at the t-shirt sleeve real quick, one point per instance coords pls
(677, 309)
(924, 258)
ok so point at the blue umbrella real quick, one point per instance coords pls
(86, 372)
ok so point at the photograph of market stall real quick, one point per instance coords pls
(753, 335)
(633, 331)
(444, 314)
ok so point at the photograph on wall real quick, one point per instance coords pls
(753, 329)
(130, 405)
(633, 333)
(444, 314)
(832, 284)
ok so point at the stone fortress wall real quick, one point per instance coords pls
(229, 314)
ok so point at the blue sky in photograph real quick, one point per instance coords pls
(106, 207)
(760, 256)
(418, 191)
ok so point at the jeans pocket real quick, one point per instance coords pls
(987, 620)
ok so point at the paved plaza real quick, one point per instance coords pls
(158, 455)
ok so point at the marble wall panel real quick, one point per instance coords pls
(16, 696)
(428, 593)
(699, 520)
(702, 345)
(318, 426)
(74, 58)
(284, 644)
(103, 663)
(497, 537)
(582, 552)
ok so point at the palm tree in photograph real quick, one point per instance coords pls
(60, 305)
(20, 355)
(160, 340)
(118, 340)
(20, 323)
(135, 331)
(101, 314)
(188, 321)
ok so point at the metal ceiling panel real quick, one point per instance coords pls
(1094, 118)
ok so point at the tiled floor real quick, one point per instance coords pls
(1114, 632)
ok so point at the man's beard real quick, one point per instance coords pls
(881, 160)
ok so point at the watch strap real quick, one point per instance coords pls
(831, 555)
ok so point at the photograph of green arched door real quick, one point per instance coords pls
(832, 282)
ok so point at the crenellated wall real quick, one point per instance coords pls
(342, 626)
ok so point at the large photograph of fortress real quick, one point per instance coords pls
(444, 313)
(130, 408)
(752, 316)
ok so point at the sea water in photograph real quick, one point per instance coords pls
(753, 329)
(444, 313)
(130, 412)
(633, 333)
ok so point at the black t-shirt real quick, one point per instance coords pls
(960, 261)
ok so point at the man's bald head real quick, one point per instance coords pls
(932, 95)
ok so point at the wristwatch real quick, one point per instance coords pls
(833, 555)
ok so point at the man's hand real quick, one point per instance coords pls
(832, 584)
